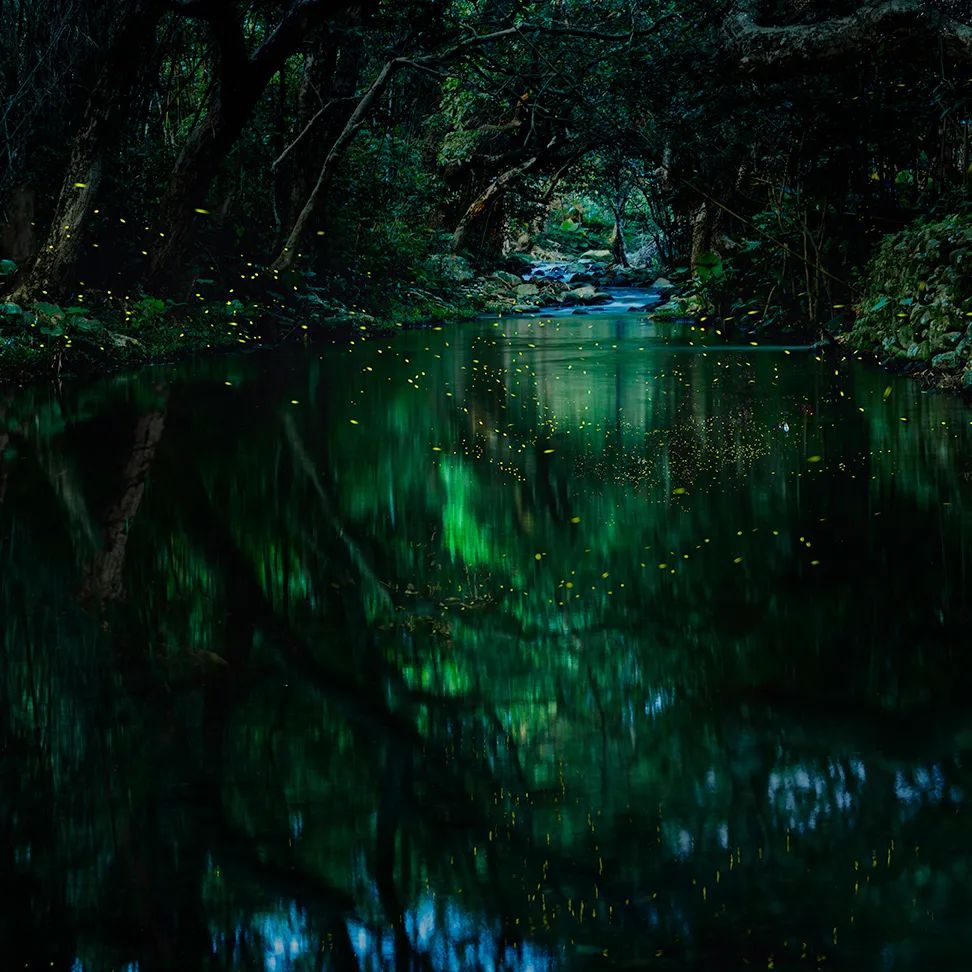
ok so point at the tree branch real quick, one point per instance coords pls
(801, 46)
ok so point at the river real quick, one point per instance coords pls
(523, 644)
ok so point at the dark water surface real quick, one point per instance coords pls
(496, 646)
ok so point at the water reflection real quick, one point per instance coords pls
(526, 645)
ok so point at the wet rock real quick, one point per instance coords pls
(948, 361)
(527, 290)
(604, 255)
(588, 295)
(663, 284)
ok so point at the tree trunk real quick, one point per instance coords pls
(199, 162)
(331, 77)
(618, 255)
(242, 81)
(102, 126)
(481, 216)
(705, 225)
(103, 578)
(290, 249)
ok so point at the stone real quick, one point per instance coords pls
(596, 255)
(947, 361)
(527, 290)
(582, 294)
(505, 278)
(662, 284)
(451, 267)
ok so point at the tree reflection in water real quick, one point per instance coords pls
(511, 646)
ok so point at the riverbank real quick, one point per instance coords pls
(49, 341)
(103, 333)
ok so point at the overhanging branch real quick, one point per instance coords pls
(800, 46)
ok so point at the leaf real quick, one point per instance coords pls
(880, 304)
(887, 392)
(7, 267)
(10, 310)
(48, 310)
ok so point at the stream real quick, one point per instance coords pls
(540, 643)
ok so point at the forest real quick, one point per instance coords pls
(485, 485)
(184, 175)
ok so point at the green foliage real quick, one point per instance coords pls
(916, 294)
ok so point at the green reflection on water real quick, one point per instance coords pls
(524, 644)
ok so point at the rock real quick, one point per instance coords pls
(947, 361)
(519, 263)
(582, 293)
(451, 267)
(596, 255)
(506, 279)
(527, 290)
(588, 295)
(918, 352)
(662, 284)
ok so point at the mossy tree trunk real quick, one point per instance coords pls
(52, 271)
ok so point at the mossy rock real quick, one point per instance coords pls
(948, 361)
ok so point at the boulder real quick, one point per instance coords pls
(527, 290)
(451, 267)
(506, 279)
(947, 361)
(582, 294)
(587, 295)
(662, 284)
(596, 255)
